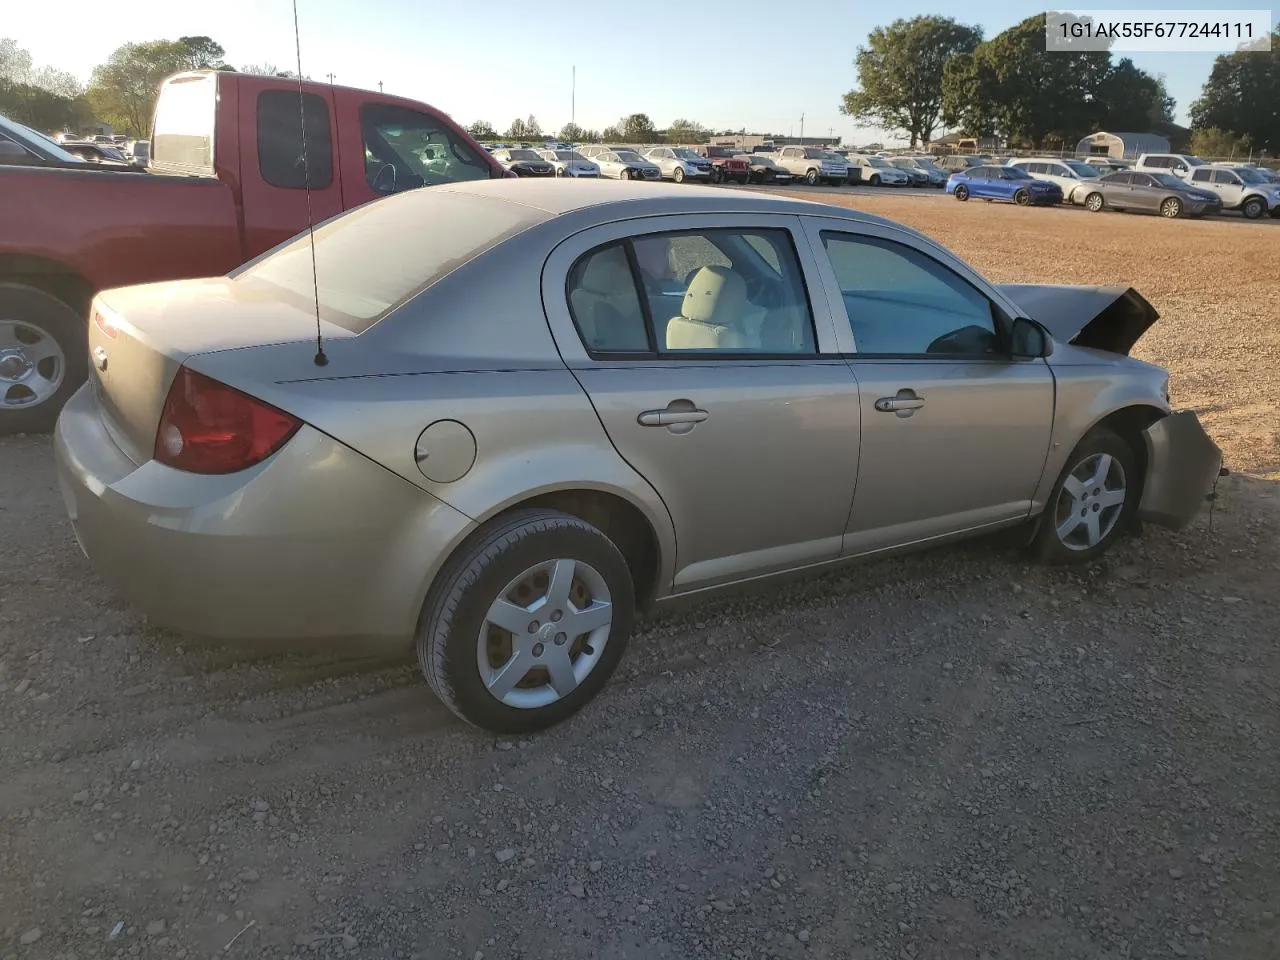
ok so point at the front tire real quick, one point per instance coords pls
(811, 178)
(1093, 502)
(43, 358)
(1021, 197)
(678, 175)
(1171, 208)
(1253, 208)
(527, 622)
(875, 180)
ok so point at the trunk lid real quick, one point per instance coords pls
(1103, 318)
(140, 336)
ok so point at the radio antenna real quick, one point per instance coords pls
(320, 358)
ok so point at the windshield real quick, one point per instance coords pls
(630, 156)
(1017, 173)
(1195, 162)
(20, 132)
(569, 156)
(904, 164)
(878, 162)
(684, 153)
(1249, 175)
(1168, 180)
(376, 256)
(1083, 169)
(759, 161)
(523, 155)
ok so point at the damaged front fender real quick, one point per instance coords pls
(1183, 463)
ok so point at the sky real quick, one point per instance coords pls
(748, 64)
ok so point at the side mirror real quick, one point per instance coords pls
(1028, 340)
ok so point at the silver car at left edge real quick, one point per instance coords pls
(518, 413)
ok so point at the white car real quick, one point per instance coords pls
(877, 171)
(623, 164)
(1179, 164)
(679, 163)
(1245, 189)
(570, 163)
(1071, 175)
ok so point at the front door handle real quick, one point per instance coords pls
(669, 417)
(903, 404)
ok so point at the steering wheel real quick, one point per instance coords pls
(385, 180)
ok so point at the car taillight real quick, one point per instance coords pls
(209, 427)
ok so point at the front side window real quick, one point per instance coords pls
(705, 292)
(902, 302)
(285, 157)
(405, 149)
(1220, 176)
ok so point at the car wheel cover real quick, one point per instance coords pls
(1093, 202)
(32, 364)
(544, 634)
(1091, 502)
(1170, 208)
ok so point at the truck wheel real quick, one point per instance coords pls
(43, 358)
(1253, 208)
(716, 176)
(811, 177)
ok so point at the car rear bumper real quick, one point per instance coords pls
(1183, 464)
(315, 542)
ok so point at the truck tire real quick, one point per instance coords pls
(811, 177)
(43, 358)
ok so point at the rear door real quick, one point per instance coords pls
(735, 405)
(275, 168)
(954, 431)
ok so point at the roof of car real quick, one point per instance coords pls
(557, 197)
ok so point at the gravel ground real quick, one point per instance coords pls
(953, 755)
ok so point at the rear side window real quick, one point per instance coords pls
(1202, 176)
(372, 258)
(280, 125)
(182, 134)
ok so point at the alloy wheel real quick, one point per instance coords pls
(1090, 502)
(544, 634)
(32, 364)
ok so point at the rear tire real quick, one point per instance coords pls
(1094, 202)
(43, 358)
(962, 193)
(461, 649)
(1099, 520)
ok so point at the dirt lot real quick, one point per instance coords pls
(949, 756)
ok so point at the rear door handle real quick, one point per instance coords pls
(666, 418)
(897, 404)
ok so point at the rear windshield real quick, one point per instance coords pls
(373, 258)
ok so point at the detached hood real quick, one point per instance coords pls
(1104, 318)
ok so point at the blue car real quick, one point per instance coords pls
(1011, 184)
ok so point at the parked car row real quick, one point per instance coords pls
(1172, 185)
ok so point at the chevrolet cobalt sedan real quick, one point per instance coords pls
(502, 417)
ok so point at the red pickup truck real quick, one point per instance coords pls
(227, 182)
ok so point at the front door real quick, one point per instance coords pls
(721, 397)
(954, 432)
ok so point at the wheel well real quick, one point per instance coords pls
(621, 522)
(50, 276)
(1128, 423)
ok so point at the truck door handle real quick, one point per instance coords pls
(903, 404)
(668, 417)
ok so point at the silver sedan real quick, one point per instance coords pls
(512, 414)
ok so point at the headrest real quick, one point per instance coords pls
(607, 273)
(716, 295)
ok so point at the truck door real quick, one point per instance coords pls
(275, 168)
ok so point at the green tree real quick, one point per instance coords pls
(482, 130)
(532, 129)
(686, 131)
(1013, 87)
(517, 130)
(638, 128)
(571, 133)
(123, 90)
(1212, 142)
(1242, 95)
(590, 136)
(268, 70)
(1129, 98)
(900, 74)
(41, 97)
(15, 62)
(611, 134)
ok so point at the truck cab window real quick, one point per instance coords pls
(405, 149)
(280, 154)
